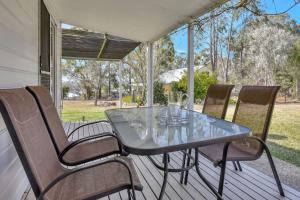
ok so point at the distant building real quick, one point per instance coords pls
(176, 74)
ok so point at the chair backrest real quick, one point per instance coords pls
(30, 137)
(254, 109)
(51, 117)
(217, 99)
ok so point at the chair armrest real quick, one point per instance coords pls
(87, 124)
(61, 177)
(263, 143)
(264, 146)
(77, 142)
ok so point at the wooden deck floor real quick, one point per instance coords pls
(248, 184)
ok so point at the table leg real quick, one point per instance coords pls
(187, 164)
(182, 166)
(166, 171)
(165, 168)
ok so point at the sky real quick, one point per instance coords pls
(180, 38)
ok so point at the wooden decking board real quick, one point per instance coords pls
(270, 181)
(193, 192)
(180, 192)
(231, 193)
(214, 180)
(248, 184)
(149, 182)
(157, 179)
(265, 183)
(236, 185)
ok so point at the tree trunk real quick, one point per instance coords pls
(211, 45)
(298, 87)
(216, 38)
(130, 88)
(109, 81)
(98, 94)
(228, 49)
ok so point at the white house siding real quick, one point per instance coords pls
(19, 25)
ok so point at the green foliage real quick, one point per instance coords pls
(159, 96)
(66, 90)
(285, 79)
(294, 65)
(140, 101)
(232, 101)
(127, 99)
(202, 81)
(294, 56)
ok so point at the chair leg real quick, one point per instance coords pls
(223, 168)
(234, 165)
(182, 166)
(274, 170)
(208, 184)
(129, 195)
(239, 166)
(187, 164)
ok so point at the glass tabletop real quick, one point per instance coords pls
(157, 130)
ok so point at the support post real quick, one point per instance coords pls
(150, 71)
(120, 83)
(190, 63)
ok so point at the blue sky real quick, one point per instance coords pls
(180, 38)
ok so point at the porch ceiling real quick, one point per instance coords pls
(91, 45)
(139, 20)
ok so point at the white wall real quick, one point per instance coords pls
(19, 27)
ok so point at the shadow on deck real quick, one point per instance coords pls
(248, 184)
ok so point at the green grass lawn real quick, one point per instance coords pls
(76, 110)
(283, 140)
(284, 134)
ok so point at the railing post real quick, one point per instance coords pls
(190, 63)
(150, 71)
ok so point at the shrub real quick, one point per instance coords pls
(66, 90)
(140, 101)
(159, 96)
(127, 99)
(232, 101)
(202, 81)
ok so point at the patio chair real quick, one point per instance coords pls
(215, 104)
(217, 99)
(48, 178)
(254, 109)
(77, 152)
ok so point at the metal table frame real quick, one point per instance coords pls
(186, 148)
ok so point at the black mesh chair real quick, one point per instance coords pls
(254, 109)
(215, 104)
(48, 178)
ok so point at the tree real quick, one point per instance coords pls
(285, 79)
(88, 77)
(66, 90)
(294, 62)
(136, 60)
(202, 80)
(164, 55)
(265, 51)
(159, 96)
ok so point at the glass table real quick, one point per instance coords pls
(161, 130)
